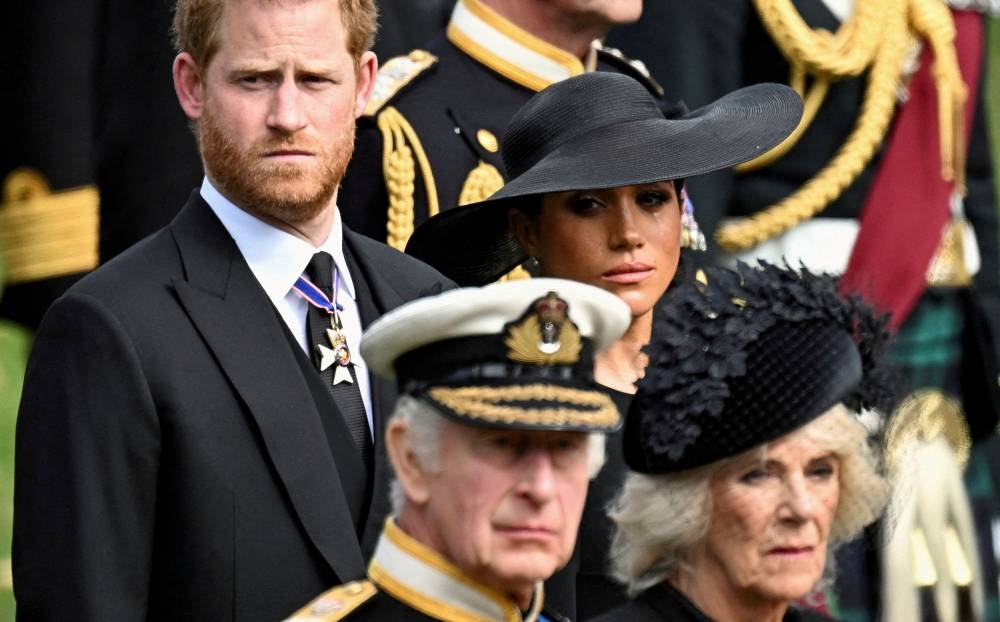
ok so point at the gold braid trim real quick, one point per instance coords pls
(931, 20)
(481, 182)
(400, 146)
(45, 234)
(492, 404)
(821, 54)
(813, 99)
(398, 171)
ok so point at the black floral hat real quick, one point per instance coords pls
(748, 356)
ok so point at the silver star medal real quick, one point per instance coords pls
(339, 355)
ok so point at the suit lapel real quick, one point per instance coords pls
(237, 321)
(374, 298)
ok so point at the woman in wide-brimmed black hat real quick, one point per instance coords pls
(595, 194)
(749, 460)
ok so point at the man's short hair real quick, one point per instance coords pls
(196, 26)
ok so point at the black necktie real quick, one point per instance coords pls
(347, 395)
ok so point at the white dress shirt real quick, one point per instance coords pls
(277, 259)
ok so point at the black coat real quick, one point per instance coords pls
(173, 459)
(663, 603)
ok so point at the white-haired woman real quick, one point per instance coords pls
(749, 464)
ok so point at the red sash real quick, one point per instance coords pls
(908, 204)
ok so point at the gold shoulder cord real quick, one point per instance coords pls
(876, 38)
(400, 146)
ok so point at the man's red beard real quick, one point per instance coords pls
(282, 191)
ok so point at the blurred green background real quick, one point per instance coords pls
(14, 342)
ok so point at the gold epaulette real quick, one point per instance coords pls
(336, 603)
(396, 73)
(45, 234)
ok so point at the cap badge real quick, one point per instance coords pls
(544, 335)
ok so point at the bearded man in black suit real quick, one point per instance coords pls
(178, 454)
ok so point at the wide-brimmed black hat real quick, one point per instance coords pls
(599, 130)
(750, 356)
(518, 354)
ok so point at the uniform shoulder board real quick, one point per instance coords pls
(336, 603)
(630, 66)
(396, 74)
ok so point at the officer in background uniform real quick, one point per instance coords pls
(429, 138)
(498, 430)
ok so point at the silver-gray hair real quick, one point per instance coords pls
(661, 518)
(424, 424)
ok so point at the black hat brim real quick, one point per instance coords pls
(474, 245)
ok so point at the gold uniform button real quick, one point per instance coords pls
(353, 589)
(487, 140)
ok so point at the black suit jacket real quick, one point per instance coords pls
(171, 462)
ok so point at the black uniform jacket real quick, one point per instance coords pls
(177, 456)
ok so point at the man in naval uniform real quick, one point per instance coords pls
(497, 432)
(428, 140)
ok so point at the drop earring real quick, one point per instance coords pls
(691, 235)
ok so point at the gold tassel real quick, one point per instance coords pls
(932, 20)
